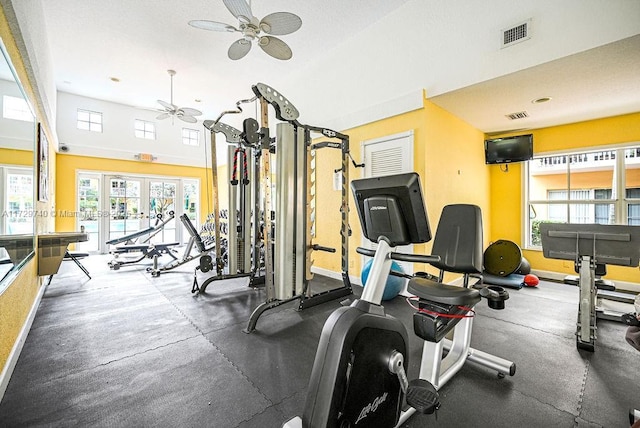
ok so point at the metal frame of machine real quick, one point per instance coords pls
(285, 255)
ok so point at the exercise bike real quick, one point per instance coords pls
(358, 377)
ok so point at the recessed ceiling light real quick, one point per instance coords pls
(114, 79)
(541, 100)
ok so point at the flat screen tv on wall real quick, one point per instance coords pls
(509, 149)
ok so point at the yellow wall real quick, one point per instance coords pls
(15, 304)
(448, 155)
(18, 298)
(506, 196)
(16, 157)
(506, 188)
(453, 165)
(223, 187)
(69, 165)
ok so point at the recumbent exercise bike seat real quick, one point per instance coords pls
(443, 293)
(458, 243)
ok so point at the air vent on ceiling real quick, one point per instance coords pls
(518, 115)
(516, 34)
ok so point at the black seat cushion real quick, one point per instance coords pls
(443, 293)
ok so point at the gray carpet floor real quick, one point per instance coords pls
(125, 349)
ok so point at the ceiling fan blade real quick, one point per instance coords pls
(162, 116)
(190, 111)
(167, 105)
(275, 47)
(240, 9)
(212, 26)
(189, 119)
(239, 49)
(280, 23)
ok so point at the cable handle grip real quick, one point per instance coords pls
(403, 257)
(317, 247)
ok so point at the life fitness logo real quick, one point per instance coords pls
(372, 407)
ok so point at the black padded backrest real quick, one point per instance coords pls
(458, 239)
(186, 221)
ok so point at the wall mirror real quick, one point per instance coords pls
(17, 178)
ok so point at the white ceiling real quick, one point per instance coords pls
(358, 55)
(138, 41)
(600, 82)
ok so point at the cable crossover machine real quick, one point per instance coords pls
(271, 236)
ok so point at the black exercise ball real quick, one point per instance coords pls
(524, 268)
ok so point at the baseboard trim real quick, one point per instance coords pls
(7, 371)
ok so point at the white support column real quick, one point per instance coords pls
(285, 209)
(378, 274)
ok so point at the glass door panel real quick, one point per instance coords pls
(124, 203)
(162, 200)
(190, 196)
(90, 213)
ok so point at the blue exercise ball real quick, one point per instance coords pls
(394, 283)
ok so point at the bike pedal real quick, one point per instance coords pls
(422, 396)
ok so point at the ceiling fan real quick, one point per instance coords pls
(274, 24)
(185, 114)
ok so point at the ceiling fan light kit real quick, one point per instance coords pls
(274, 24)
(171, 110)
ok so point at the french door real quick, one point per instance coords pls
(137, 203)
